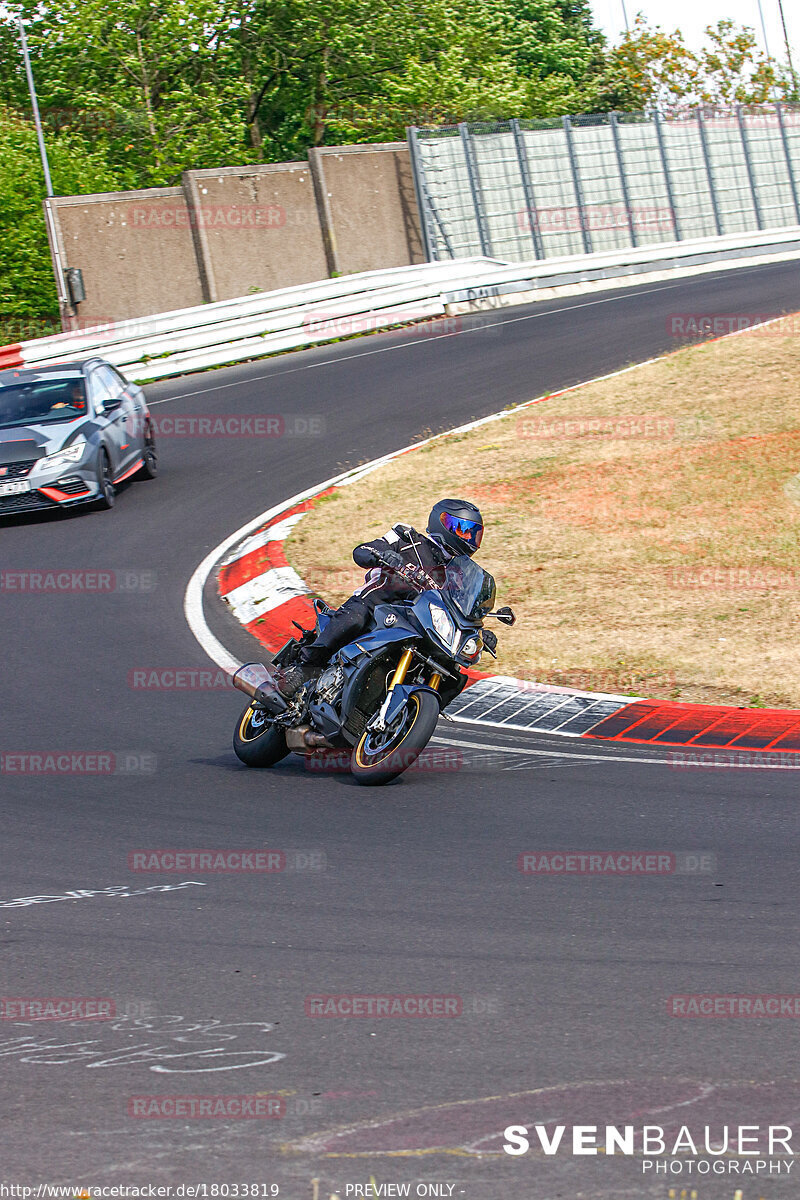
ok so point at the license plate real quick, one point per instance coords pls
(13, 489)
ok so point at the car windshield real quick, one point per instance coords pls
(471, 589)
(42, 401)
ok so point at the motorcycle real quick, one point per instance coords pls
(379, 698)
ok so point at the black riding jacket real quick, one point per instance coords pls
(381, 585)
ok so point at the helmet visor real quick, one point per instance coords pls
(470, 532)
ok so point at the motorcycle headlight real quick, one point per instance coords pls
(471, 648)
(63, 458)
(442, 623)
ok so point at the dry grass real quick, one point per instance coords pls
(650, 547)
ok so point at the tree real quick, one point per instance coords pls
(652, 68)
(27, 290)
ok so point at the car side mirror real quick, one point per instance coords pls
(112, 404)
(505, 615)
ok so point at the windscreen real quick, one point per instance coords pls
(471, 589)
(42, 401)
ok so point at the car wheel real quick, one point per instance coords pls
(108, 493)
(149, 468)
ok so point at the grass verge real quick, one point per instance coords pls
(646, 529)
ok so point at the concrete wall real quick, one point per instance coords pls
(373, 209)
(134, 249)
(235, 230)
(256, 228)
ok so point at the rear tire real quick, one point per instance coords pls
(257, 741)
(377, 764)
(149, 468)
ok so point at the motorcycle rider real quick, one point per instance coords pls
(396, 560)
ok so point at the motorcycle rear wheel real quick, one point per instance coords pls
(375, 761)
(257, 741)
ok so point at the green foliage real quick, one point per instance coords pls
(27, 290)
(650, 67)
(136, 92)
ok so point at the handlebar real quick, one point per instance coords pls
(416, 576)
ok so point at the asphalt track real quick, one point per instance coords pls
(563, 981)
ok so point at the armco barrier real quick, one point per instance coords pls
(232, 331)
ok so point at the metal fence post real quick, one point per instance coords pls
(701, 129)
(475, 188)
(418, 175)
(623, 179)
(576, 183)
(749, 164)
(527, 187)
(662, 149)
(789, 166)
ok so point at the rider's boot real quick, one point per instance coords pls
(346, 622)
(289, 680)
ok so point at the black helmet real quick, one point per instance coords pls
(457, 524)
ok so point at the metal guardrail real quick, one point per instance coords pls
(233, 331)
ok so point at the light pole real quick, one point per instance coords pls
(625, 16)
(788, 50)
(775, 93)
(64, 304)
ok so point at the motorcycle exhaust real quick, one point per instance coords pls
(255, 680)
(304, 740)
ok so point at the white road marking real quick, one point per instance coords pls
(659, 762)
(479, 329)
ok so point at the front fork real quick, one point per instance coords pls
(398, 678)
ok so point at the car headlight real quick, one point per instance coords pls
(63, 458)
(470, 649)
(442, 623)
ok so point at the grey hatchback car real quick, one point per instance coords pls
(69, 434)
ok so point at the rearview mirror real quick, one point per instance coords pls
(111, 405)
(505, 615)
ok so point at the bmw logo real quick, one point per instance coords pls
(390, 619)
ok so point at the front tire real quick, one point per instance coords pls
(257, 741)
(374, 761)
(108, 493)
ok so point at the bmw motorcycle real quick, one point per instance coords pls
(380, 697)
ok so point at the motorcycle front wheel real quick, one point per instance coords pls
(257, 741)
(381, 756)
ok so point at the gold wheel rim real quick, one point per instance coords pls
(393, 750)
(246, 717)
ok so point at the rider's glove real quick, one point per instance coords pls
(416, 576)
(490, 640)
(393, 560)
